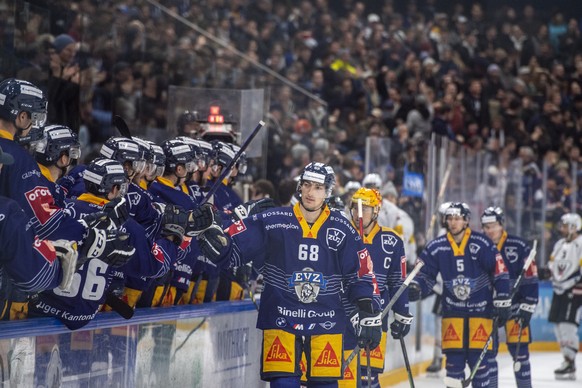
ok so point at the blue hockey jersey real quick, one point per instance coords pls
(515, 252)
(470, 271)
(225, 198)
(23, 182)
(78, 306)
(305, 268)
(31, 263)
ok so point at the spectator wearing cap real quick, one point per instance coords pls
(63, 90)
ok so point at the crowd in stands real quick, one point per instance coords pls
(505, 81)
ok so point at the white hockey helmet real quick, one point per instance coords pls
(372, 181)
(573, 221)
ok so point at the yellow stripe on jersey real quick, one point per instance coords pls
(459, 250)
(310, 232)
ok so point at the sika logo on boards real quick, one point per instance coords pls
(277, 352)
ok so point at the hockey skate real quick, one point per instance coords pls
(567, 371)
(435, 367)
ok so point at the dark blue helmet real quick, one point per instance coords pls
(22, 96)
(319, 173)
(56, 141)
(103, 174)
(492, 214)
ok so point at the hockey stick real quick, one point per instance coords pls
(386, 310)
(456, 383)
(226, 170)
(439, 199)
(406, 362)
(121, 126)
(361, 227)
(119, 306)
(516, 362)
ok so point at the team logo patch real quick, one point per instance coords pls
(327, 325)
(499, 265)
(133, 198)
(462, 287)
(474, 248)
(366, 265)
(451, 334)
(334, 238)
(46, 250)
(236, 228)
(481, 334)
(157, 252)
(511, 254)
(42, 203)
(307, 284)
(388, 241)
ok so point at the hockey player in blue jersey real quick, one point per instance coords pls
(105, 181)
(307, 254)
(27, 261)
(515, 252)
(225, 197)
(204, 151)
(155, 161)
(475, 290)
(387, 251)
(58, 149)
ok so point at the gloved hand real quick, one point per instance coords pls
(213, 243)
(67, 254)
(201, 219)
(524, 313)
(367, 325)
(95, 220)
(400, 326)
(253, 207)
(502, 310)
(117, 211)
(414, 291)
(174, 221)
(109, 246)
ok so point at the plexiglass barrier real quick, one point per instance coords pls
(213, 345)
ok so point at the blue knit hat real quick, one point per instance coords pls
(62, 41)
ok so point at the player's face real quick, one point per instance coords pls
(367, 214)
(456, 224)
(493, 230)
(312, 194)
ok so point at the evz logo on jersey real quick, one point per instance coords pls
(42, 203)
(334, 238)
(462, 287)
(307, 284)
(511, 254)
(388, 240)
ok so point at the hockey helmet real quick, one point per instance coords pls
(22, 96)
(222, 154)
(369, 197)
(458, 209)
(124, 150)
(372, 180)
(56, 141)
(103, 174)
(319, 173)
(492, 214)
(241, 163)
(188, 117)
(572, 220)
(178, 152)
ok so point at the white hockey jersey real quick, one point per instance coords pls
(565, 263)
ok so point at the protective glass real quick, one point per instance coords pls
(242, 167)
(38, 119)
(75, 152)
(138, 166)
(123, 189)
(191, 167)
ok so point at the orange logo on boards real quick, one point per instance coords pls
(451, 334)
(327, 357)
(481, 334)
(277, 352)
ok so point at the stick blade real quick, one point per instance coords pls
(121, 125)
(453, 383)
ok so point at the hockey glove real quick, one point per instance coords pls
(544, 273)
(213, 243)
(117, 211)
(174, 223)
(524, 313)
(502, 310)
(414, 291)
(109, 246)
(95, 220)
(67, 253)
(201, 219)
(400, 326)
(367, 325)
(253, 207)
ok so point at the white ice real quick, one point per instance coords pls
(543, 365)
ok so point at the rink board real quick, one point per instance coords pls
(215, 344)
